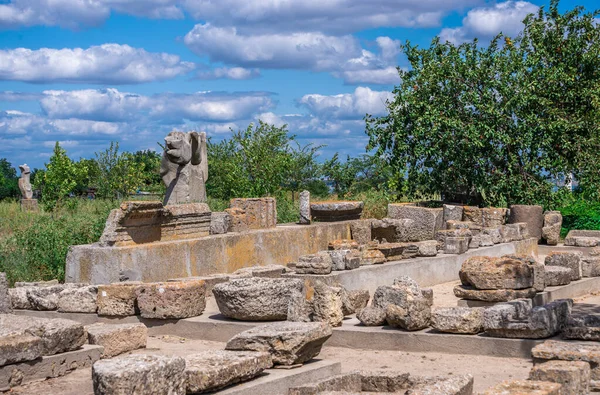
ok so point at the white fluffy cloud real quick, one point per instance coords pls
(486, 22)
(231, 73)
(20, 123)
(348, 105)
(104, 64)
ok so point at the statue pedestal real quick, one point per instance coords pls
(29, 205)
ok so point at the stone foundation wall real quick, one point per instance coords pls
(224, 253)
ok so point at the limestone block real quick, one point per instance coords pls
(268, 271)
(590, 266)
(398, 293)
(319, 263)
(256, 298)
(361, 231)
(518, 319)
(493, 216)
(442, 235)
(583, 328)
(336, 211)
(557, 275)
(492, 295)
(237, 220)
(456, 245)
(343, 244)
(525, 387)
(139, 374)
(539, 269)
(345, 383)
(486, 240)
(354, 300)
(533, 216)
(345, 259)
(390, 230)
(78, 300)
(258, 213)
(371, 257)
(215, 369)
(570, 260)
(473, 214)
(570, 351)
(475, 242)
(398, 251)
(371, 316)
(552, 226)
(289, 343)
(19, 348)
(441, 385)
(457, 319)
(210, 281)
(415, 315)
(509, 233)
(300, 309)
(574, 375)
(304, 203)
(171, 300)
(494, 233)
(406, 304)
(5, 301)
(117, 338)
(44, 298)
(472, 226)
(452, 213)
(483, 272)
(427, 248)
(327, 304)
(220, 222)
(118, 299)
(427, 221)
(18, 298)
(384, 381)
(582, 238)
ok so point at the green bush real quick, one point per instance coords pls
(580, 214)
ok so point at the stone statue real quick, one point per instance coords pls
(25, 183)
(184, 168)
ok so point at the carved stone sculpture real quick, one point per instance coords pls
(184, 167)
(25, 183)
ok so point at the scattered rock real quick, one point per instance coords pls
(357, 299)
(118, 299)
(18, 298)
(442, 385)
(44, 298)
(319, 263)
(171, 300)
(117, 338)
(573, 375)
(552, 225)
(493, 295)
(345, 259)
(571, 260)
(327, 304)
(570, 351)
(371, 257)
(361, 231)
(372, 316)
(427, 221)
(583, 328)
(457, 320)
(590, 266)
(427, 248)
(483, 273)
(220, 222)
(78, 300)
(345, 383)
(19, 348)
(494, 234)
(557, 275)
(415, 315)
(539, 269)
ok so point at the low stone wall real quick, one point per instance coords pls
(224, 253)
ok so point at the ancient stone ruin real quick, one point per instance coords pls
(28, 203)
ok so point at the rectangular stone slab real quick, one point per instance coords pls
(117, 339)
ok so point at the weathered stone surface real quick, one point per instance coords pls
(390, 230)
(48, 283)
(456, 245)
(473, 214)
(371, 257)
(557, 275)
(353, 301)
(327, 304)
(361, 231)
(594, 251)
(78, 300)
(519, 319)
(406, 304)
(214, 369)
(118, 299)
(570, 260)
(5, 301)
(336, 211)
(383, 381)
(441, 385)
(475, 242)
(533, 216)
(486, 240)
(253, 213)
(171, 300)
(44, 298)
(210, 281)
(493, 216)
(343, 244)
(289, 343)
(256, 298)
(19, 348)
(442, 235)
(525, 387)
(583, 328)
(117, 338)
(220, 222)
(18, 298)
(492, 295)
(509, 233)
(345, 383)
(539, 269)
(372, 316)
(482, 272)
(413, 316)
(452, 213)
(472, 226)
(427, 221)
(552, 225)
(344, 259)
(398, 251)
(574, 375)
(570, 351)
(427, 248)
(267, 271)
(494, 234)
(319, 263)
(582, 238)
(590, 266)
(457, 319)
(304, 203)
(139, 374)
(25, 182)
(300, 309)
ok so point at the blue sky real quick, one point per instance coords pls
(88, 72)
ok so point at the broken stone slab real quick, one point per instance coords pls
(78, 300)
(344, 259)
(212, 370)
(533, 216)
(493, 216)
(289, 343)
(48, 283)
(570, 351)
(253, 213)
(327, 304)
(118, 299)
(582, 238)
(525, 387)
(472, 226)
(336, 211)
(456, 245)
(18, 298)
(220, 222)
(427, 221)
(475, 242)
(493, 295)
(357, 299)
(117, 339)
(383, 381)
(345, 383)
(397, 294)
(484, 273)
(452, 213)
(509, 233)
(398, 251)
(209, 281)
(441, 385)
(300, 309)
(442, 235)
(573, 375)
(585, 242)
(139, 374)
(590, 266)
(473, 214)
(552, 226)
(519, 319)
(413, 316)
(304, 208)
(372, 316)
(557, 275)
(586, 327)
(319, 263)
(494, 234)
(269, 271)
(371, 257)
(427, 248)
(5, 301)
(17, 347)
(539, 269)
(407, 305)
(457, 320)
(256, 298)
(486, 240)
(570, 260)
(46, 297)
(390, 230)
(343, 244)
(171, 300)
(361, 231)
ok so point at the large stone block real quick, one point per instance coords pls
(427, 248)
(255, 298)
(139, 374)
(392, 230)
(336, 211)
(473, 214)
(452, 213)
(552, 226)
(582, 238)
(212, 280)
(494, 234)
(327, 304)
(586, 327)
(5, 301)
(171, 300)
(361, 231)
(22, 347)
(319, 263)
(427, 221)
(117, 338)
(220, 222)
(483, 272)
(372, 316)
(289, 343)
(557, 275)
(493, 216)
(46, 297)
(344, 259)
(345, 383)
(457, 319)
(398, 251)
(525, 387)
(413, 316)
(456, 245)
(253, 213)
(78, 300)
(118, 299)
(533, 216)
(539, 269)
(570, 351)
(216, 369)
(492, 295)
(574, 376)
(590, 266)
(343, 244)
(371, 257)
(570, 260)
(406, 304)
(304, 208)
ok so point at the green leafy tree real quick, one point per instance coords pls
(119, 174)
(151, 165)
(9, 184)
(500, 123)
